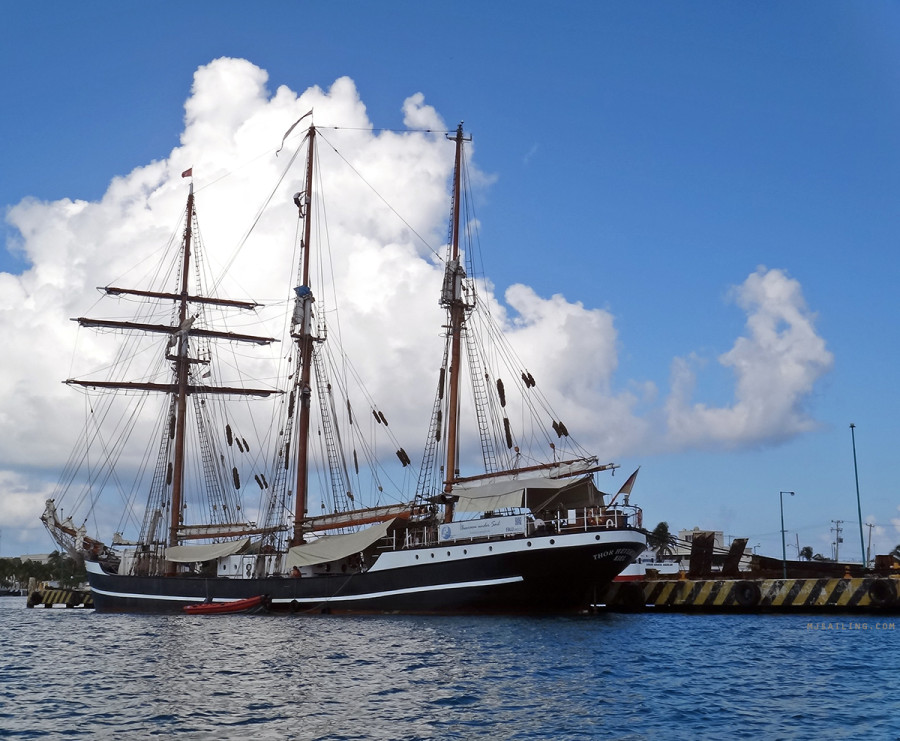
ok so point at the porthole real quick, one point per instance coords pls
(417, 557)
(432, 555)
(552, 541)
(465, 551)
(529, 544)
(448, 553)
(490, 547)
(596, 537)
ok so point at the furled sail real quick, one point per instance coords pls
(206, 552)
(334, 547)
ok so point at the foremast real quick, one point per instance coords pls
(180, 387)
(182, 365)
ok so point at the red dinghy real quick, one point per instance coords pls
(251, 604)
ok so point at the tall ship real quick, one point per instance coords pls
(527, 530)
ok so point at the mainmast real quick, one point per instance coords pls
(302, 332)
(451, 297)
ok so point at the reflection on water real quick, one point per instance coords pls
(77, 674)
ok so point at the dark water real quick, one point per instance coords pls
(73, 673)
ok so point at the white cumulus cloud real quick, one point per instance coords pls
(386, 276)
(775, 366)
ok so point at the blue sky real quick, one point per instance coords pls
(647, 158)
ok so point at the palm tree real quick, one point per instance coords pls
(661, 540)
(806, 553)
(55, 562)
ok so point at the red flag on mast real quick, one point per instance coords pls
(188, 173)
(626, 487)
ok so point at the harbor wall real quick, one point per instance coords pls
(849, 594)
(66, 597)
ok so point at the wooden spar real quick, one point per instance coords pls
(457, 323)
(538, 467)
(304, 351)
(116, 291)
(169, 329)
(235, 529)
(171, 388)
(181, 375)
(358, 517)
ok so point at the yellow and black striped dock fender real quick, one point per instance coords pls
(60, 596)
(747, 593)
(882, 592)
(826, 594)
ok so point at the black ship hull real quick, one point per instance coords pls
(547, 574)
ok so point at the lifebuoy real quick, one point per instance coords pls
(882, 592)
(747, 594)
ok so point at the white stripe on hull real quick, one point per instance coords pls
(409, 590)
(319, 600)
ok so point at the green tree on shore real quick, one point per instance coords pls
(661, 540)
(59, 568)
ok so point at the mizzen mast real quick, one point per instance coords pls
(452, 299)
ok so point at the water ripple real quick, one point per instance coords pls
(76, 674)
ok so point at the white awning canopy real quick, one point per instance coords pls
(205, 552)
(536, 494)
(334, 547)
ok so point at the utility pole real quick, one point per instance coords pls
(783, 546)
(837, 538)
(862, 550)
(869, 525)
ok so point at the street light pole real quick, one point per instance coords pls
(783, 545)
(862, 546)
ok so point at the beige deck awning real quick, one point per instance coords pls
(536, 494)
(206, 552)
(334, 547)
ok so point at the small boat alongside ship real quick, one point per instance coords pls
(521, 535)
(251, 605)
